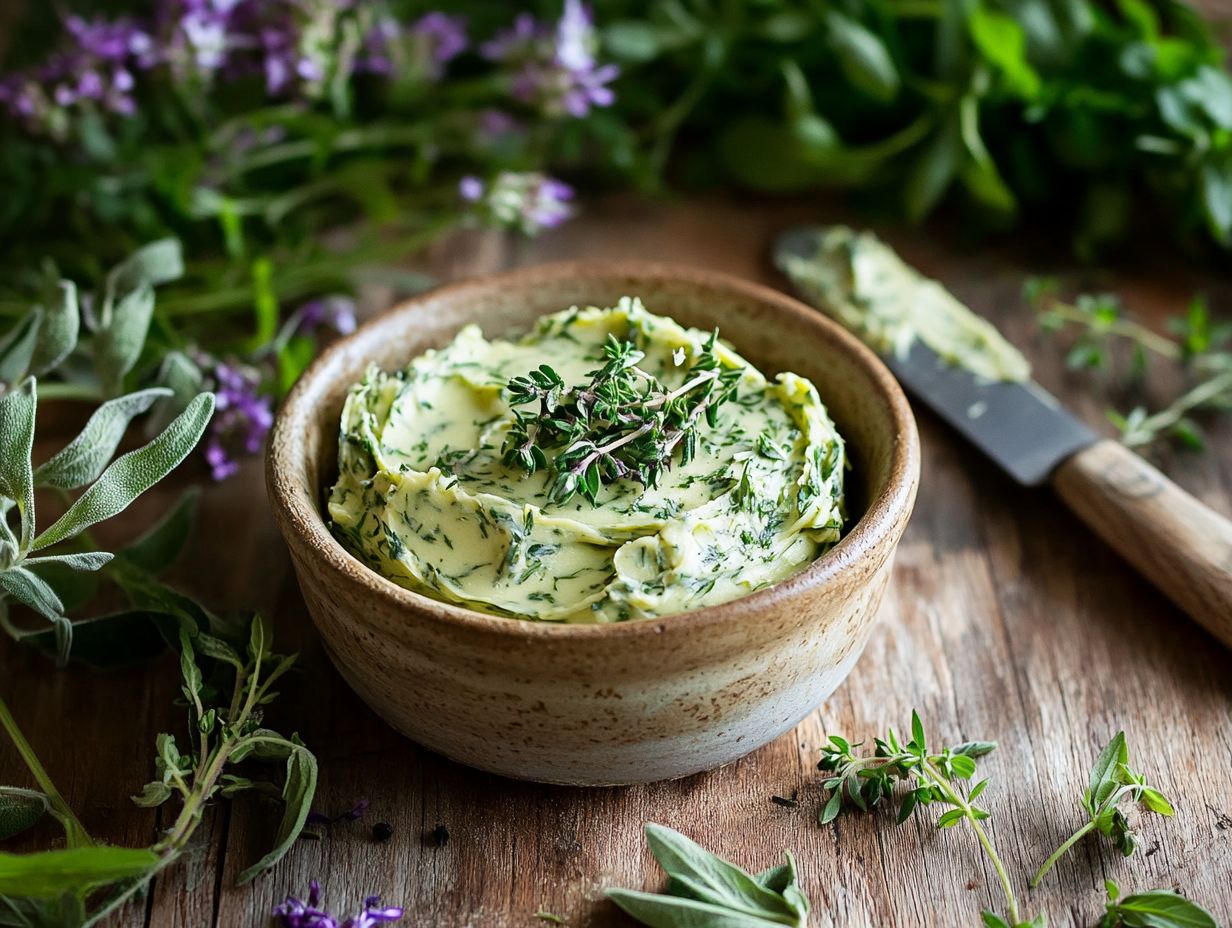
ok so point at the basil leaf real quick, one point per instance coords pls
(297, 792)
(711, 878)
(130, 475)
(660, 911)
(83, 459)
(57, 335)
(1161, 908)
(20, 809)
(157, 549)
(17, 409)
(862, 56)
(1106, 774)
(74, 870)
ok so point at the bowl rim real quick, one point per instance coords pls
(883, 516)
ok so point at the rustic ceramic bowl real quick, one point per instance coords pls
(601, 704)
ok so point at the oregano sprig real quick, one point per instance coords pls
(623, 423)
(1112, 784)
(930, 777)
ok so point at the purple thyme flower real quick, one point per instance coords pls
(336, 311)
(528, 201)
(445, 36)
(555, 68)
(297, 914)
(241, 421)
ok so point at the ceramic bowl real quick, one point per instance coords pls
(601, 704)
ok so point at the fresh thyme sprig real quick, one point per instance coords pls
(1201, 347)
(864, 780)
(1112, 783)
(624, 423)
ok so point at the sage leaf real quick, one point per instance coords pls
(862, 56)
(57, 336)
(27, 587)
(297, 792)
(131, 474)
(83, 560)
(73, 870)
(20, 809)
(158, 549)
(711, 878)
(17, 409)
(181, 375)
(159, 262)
(119, 344)
(83, 459)
(153, 794)
(64, 911)
(118, 639)
(17, 347)
(659, 911)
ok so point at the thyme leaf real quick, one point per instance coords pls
(622, 424)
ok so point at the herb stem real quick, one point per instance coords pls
(1123, 328)
(75, 832)
(1153, 425)
(959, 800)
(1060, 852)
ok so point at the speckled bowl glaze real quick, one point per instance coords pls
(602, 704)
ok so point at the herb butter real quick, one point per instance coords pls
(427, 498)
(865, 286)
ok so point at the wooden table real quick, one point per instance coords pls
(1006, 620)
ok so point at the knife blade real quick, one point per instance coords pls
(1171, 538)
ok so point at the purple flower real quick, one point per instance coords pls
(243, 416)
(555, 68)
(336, 311)
(527, 201)
(296, 914)
(446, 37)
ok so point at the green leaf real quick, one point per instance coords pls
(118, 345)
(159, 262)
(976, 748)
(118, 639)
(157, 549)
(659, 911)
(17, 346)
(951, 818)
(57, 336)
(64, 911)
(631, 40)
(862, 56)
(1161, 908)
(75, 870)
(27, 587)
(80, 560)
(1216, 181)
(131, 474)
(181, 375)
(917, 732)
(20, 809)
(993, 921)
(1156, 801)
(934, 170)
(962, 765)
(1002, 41)
(83, 459)
(1106, 774)
(17, 412)
(153, 794)
(831, 809)
(297, 792)
(709, 877)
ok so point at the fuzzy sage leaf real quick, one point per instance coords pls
(83, 459)
(58, 331)
(297, 792)
(706, 891)
(20, 809)
(17, 411)
(130, 475)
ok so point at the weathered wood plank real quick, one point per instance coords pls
(1005, 620)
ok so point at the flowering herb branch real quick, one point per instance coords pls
(1112, 783)
(624, 423)
(84, 883)
(1199, 346)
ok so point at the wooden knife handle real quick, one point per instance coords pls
(1180, 545)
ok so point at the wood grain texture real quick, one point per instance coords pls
(1180, 545)
(1005, 619)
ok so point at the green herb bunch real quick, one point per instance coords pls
(706, 890)
(623, 424)
(929, 778)
(920, 777)
(1196, 344)
(1112, 784)
(227, 679)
